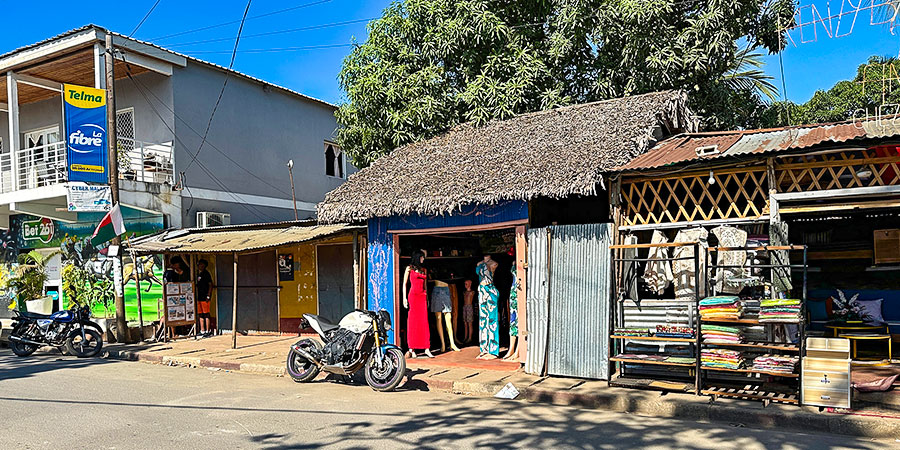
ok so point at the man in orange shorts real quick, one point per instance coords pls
(205, 286)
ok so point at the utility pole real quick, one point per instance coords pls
(290, 165)
(113, 163)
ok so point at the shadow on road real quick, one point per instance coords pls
(12, 366)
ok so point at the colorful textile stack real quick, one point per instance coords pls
(632, 331)
(776, 363)
(779, 310)
(721, 358)
(720, 307)
(672, 331)
(715, 334)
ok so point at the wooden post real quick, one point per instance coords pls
(356, 296)
(234, 304)
(193, 272)
(521, 265)
(112, 162)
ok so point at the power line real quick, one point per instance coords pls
(270, 50)
(188, 125)
(219, 25)
(270, 33)
(259, 214)
(144, 19)
(237, 40)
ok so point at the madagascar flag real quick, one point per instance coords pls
(111, 226)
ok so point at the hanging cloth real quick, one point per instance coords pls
(630, 276)
(684, 270)
(781, 276)
(658, 273)
(725, 277)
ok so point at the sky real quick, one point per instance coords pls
(313, 71)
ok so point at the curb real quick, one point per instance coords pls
(780, 417)
(259, 369)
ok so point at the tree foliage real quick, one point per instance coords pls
(877, 83)
(430, 64)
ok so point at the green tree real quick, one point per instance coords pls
(876, 83)
(431, 64)
(28, 278)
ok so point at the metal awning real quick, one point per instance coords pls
(240, 240)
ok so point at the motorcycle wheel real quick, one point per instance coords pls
(389, 376)
(21, 349)
(85, 347)
(301, 370)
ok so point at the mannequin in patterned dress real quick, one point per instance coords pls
(511, 354)
(488, 314)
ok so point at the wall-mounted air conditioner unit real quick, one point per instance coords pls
(212, 219)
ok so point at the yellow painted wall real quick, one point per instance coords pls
(301, 296)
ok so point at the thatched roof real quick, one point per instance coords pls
(553, 153)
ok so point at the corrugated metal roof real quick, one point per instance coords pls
(192, 58)
(683, 148)
(222, 240)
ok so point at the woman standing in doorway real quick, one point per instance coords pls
(418, 336)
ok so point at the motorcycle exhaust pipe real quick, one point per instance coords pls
(307, 356)
(25, 341)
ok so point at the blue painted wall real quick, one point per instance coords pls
(381, 243)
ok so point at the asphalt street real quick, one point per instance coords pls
(52, 401)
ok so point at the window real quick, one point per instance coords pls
(334, 161)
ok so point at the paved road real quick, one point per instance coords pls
(50, 401)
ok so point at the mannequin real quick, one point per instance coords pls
(441, 305)
(511, 354)
(488, 321)
(418, 336)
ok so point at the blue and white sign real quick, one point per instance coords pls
(86, 152)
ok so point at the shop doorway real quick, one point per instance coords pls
(451, 258)
(854, 254)
(257, 308)
(335, 284)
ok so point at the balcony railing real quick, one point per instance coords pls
(45, 165)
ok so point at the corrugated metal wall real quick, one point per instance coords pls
(536, 301)
(579, 301)
(578, 289)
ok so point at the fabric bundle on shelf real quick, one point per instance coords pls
(715, 334)
(779, 310)
(674, 331)
(721, 358)
(632, 331)
(776, 363)
(720, 307)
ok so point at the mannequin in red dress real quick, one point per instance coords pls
(418, 335)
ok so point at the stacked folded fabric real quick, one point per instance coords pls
(673, 331)
(776, 363)
(720, 307)
(779, 310)
(715, 334)
(721, 358)
(632, 331)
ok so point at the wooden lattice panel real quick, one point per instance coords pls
(849, 169)
(736, 194)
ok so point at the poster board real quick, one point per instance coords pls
(180, 307)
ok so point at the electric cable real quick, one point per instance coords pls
(270, 33)
(194, 130)
(270, 50)
(259, 214)
(219, 25)
(144, 19)
(212, 115)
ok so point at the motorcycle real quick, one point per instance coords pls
(357, 341)
(71, 329)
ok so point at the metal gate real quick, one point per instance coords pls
(568, 300)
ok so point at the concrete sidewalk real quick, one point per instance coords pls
(267, 355)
